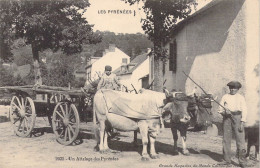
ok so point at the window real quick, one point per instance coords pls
(124, 61)
(173, 56)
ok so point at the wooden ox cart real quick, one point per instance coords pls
(64, 107)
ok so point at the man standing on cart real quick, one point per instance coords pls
(109, 80)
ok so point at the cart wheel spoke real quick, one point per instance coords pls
(66, 132)
(66, 110)
(59, 115)
(72, 123)
(71, 129)
(25, 103)
(59, 128)
(23, 126)
(20, 124)
(63, 112)
(26, 124)
(18, 101)
(15, 120)
(69, 133)
(28, 115)
(16, 106)
(22, 101)
(62, 131)
(69, 112)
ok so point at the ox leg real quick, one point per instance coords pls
(102, 133)
(106, 148)
(152, 138)
(184, 147)
(135, 139)
(175, 140)
(144, 133)
(257, 152)
(183, 132)
(248, 149)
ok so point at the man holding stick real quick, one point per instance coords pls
(234, 111)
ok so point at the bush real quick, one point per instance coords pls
(6, 77)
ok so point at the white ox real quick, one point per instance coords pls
(129, 112)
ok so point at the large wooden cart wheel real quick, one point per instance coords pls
(65, 122)
(22, 115)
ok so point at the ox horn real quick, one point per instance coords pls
(167, 93)
(212, 99)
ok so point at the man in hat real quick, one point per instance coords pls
(109, 80)
(234, 111)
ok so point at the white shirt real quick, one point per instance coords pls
(234, 103)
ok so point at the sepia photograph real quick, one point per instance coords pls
(129, 83)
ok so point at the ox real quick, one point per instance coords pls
(184, 110)
(199, 108)
(179, 118)
(128, 112)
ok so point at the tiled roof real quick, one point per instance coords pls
(138, 60)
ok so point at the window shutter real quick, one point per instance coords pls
(173, 56)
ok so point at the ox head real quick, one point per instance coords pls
(199, 108)
(176, 105)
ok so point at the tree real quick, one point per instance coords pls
(51, 25)
(161, 18)
(6, 17)
(128, 43)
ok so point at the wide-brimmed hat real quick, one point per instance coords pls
(108, 68)
(234, 84)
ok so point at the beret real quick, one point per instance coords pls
(234, 84)
(108, 68)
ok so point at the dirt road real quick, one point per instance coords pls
(42, 151)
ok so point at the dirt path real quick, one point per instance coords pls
(42, 151)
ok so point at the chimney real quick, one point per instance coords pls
(124, 65)
(112, 47)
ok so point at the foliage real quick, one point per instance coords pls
(22, 56)
(48, 24)
(161, 18)
(78, 82)
(58, 70)
(53, 24)
(131, 44)
(6, 38)
(7, 78)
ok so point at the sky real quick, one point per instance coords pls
(119, 17)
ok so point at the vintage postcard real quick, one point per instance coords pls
(129, 83)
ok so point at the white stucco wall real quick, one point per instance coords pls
(141, 71)
(134, 78)
(252, 61)
(218, 46)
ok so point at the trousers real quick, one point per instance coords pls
(229, 125)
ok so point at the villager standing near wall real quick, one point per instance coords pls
(234, 111)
